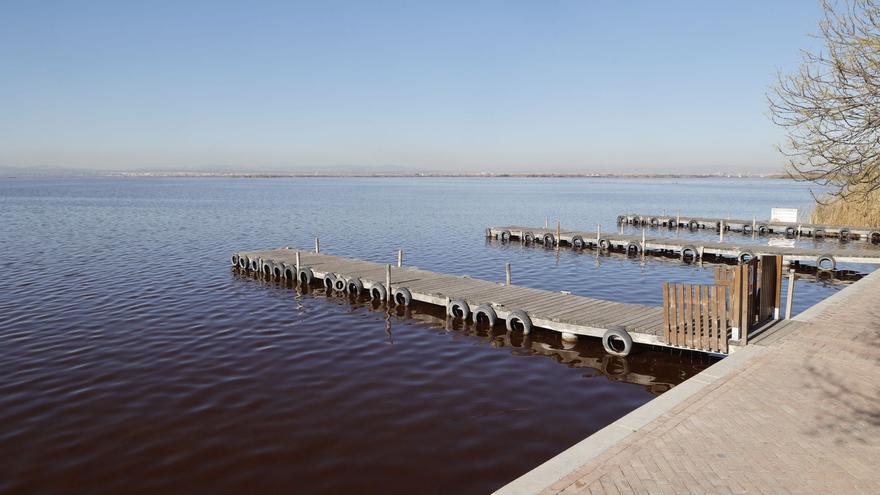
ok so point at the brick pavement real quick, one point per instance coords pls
(801, 416)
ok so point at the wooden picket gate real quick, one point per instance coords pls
(696, 316)
(742, 299)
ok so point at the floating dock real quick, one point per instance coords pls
(693, 249)
(789, 229)
(480, 301)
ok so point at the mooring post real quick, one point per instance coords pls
(598, 234)
(754, 224)
(297, 263)
(721, 231)
(789, 296)
(677, 218)
(507, 274)
(317, 245)
(558, 239)
(388, 281)
(644, 242)
(399, 258)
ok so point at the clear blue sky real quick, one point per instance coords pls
(458, 86)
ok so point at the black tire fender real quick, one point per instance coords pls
(612, 339)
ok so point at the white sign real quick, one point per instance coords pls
(783, 215)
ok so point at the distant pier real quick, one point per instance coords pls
(760, 227)
(686, 249)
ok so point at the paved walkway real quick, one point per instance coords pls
(800, 414)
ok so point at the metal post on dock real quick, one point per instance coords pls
(598, 235)
(677, 219)
(399, 258)
(644, 243)
(388, 280)
(558, 239)
(317, 245)
(754, 224)
(507, 274)
(789, 294)
(721, 231)
(297, 263)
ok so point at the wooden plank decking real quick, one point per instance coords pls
(701, 248)
(551, 310)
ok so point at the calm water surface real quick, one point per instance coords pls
(135, 360)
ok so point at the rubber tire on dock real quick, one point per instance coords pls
(844, 234)
(826, 257)
(693, 249)
(243, 262)
(790, 231)
(402, 296)
(762, 229)
(458, 309)
(340, 284)
(268, 268)
(378, 292)
(520, 316)
(633, 248)
(874, 237)
(549, 240)
(234, 260)
(354, 286)
(741, 257)
(604, 244)
(817, 233)
(290, 273)
(747, 229)
(693, 225)
(528, 237)
(655, 222)
(636, 220)
(255, 265)
(621, 219)
(618, 333)
(577, 242)
(305, 275)
(504, 236)
(487, 312)
(329, 281)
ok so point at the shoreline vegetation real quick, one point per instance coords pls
(860, 210)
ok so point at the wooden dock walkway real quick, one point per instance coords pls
(797, 415)
(684, 248)
(761, 227)
(520, 307)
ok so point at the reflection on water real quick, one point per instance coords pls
(134, 361)
(656, 369)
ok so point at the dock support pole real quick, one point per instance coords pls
(558, 239)
(507, 274)
(388, 281)
(789, 295)
(677, 219)
(317, 245)
(644, 243)
(598, 235)
(297, 264)
(754, 225)
(399, 258)
(721, 231)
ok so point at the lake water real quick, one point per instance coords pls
(134, 359)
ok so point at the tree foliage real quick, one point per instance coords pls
(830, 107)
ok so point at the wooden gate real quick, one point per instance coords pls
(742, 299)
(696, 316)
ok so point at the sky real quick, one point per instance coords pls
(472, 86)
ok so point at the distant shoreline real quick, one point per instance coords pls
(281, 175)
